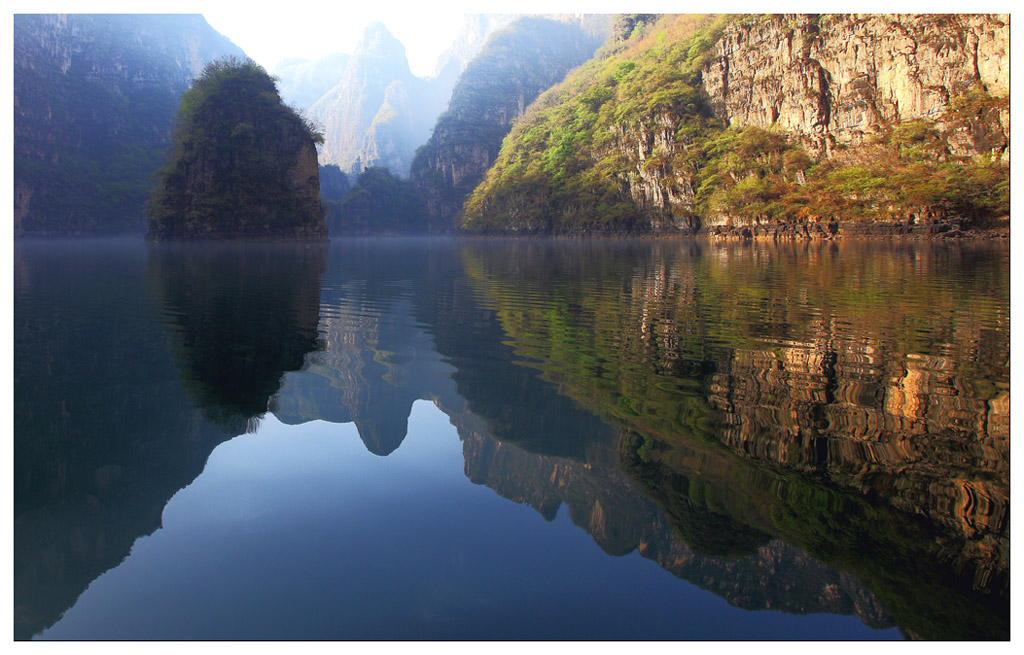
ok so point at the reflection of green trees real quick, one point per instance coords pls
(240, 315)
(637, 340)
(689, 504)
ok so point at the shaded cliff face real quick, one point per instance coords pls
(94, 101)
(242, 164)
(840, 79)
(518, 63)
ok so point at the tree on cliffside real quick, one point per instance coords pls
(241, 163)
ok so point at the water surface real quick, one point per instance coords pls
(419, 439)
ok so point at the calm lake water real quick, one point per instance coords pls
(429, 439)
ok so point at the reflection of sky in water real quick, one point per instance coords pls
(297, 532)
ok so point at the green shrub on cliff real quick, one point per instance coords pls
(757, 173)
(570, 164)
(241, 163)
(561, 168)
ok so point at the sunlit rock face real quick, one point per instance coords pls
(842, 78)
(827, 81)
(832, 85)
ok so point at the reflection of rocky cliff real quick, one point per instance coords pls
(374, 365)
(375, 359)
(239, 316)
(868, 420)
(104, 434)
(855, 381)
(611, 508)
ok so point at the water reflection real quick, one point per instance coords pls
(871, 381)
(104, 434)
(749, 418)
(239, 316)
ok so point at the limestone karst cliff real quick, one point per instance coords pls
(834, 80)
(378, 112)
(718, 122)
(94, 101)
(242, 164)
(517, 64)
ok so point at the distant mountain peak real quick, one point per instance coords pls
(377, 41)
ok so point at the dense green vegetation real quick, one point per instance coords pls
(759, 173)
(236, 150)
(566, 166)
(378, 203)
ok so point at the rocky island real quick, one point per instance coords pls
(241, 163)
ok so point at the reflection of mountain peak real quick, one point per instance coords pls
(384, 433)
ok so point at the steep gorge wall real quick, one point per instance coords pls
(518, 63)
(94, 101)
(829, 82)
(839, 79)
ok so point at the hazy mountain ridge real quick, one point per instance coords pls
(301, 82)
(377, 112)
(94, 99)
(517, 64)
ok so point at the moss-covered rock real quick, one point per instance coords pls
(242, 164)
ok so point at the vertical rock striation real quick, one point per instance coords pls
(833, 80)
